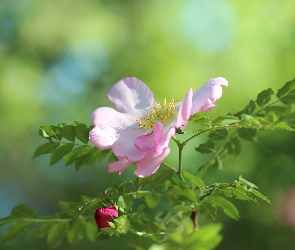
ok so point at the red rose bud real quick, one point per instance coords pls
(105, 215)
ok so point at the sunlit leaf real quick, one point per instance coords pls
(195, 180)
(46, 148)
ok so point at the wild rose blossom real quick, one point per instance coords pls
(139, 130)
(105, 215)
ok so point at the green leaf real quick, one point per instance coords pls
(288, 87)
(182, 208)
(72, 156)
(16, 230)
(195, 180)
(97, 156)
(228, 208)
(129, 200)
(206, 148)
(264, 97)
(219, 134)
(233, 146)
(206, 238)
(50, 131)
(57, 233)
(46, 148)
(278, 110)
(141, 182)
(288, 99)
(250, 108)
(89, 156)
(225, 120)
(23, 211)
(33, 234)
(139, 244)
(208, 211)
(82, 132)
(67, 132)
(76, 231)
(69, 208)
(123, 185)
(182, 193)
(248, 134)
(160, 178)
(200, 118)
(58, 154)
(39, 232)
(235, 192)
(91, 231)
(7, 219)
(260, 195)
(152, 199)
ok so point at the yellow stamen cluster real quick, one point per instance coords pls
(158, 113)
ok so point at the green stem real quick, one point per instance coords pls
(180, 148)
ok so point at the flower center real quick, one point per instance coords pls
(158, 113)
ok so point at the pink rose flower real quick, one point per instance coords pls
(103, 216)
(139, 130)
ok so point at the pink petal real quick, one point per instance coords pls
(185, 110)
(205, 96)
(150, 142)
(145, 142)
(130, 95)
(106, 116)
(124, 145)
(150, 163)
(165, 138)
(119, 166)
(103, 137)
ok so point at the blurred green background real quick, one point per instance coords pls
(59, 58)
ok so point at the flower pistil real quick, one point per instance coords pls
(158, 113)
